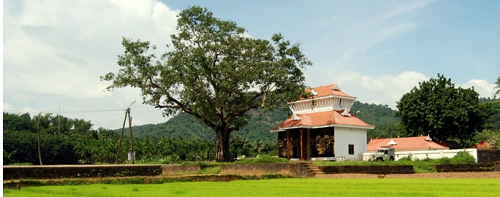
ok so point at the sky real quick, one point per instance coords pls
(54, 51)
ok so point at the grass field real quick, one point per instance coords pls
(280, 187)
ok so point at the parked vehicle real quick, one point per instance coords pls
(383, 154)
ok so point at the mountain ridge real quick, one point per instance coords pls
(186, 126)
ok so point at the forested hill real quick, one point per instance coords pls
(187, 127)
(382, 116)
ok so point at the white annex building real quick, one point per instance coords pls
(322, 127)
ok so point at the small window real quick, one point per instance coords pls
(351, 149)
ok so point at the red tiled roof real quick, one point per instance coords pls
(404, 144)
(327, 91)
(482, 144)
(322, 119)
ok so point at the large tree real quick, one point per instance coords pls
(444, 112)
(214, 72)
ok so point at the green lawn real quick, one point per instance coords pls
(281, 187)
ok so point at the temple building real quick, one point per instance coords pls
(322, 127)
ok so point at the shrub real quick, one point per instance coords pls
(209, 170)
(463, 158)
(407, 158)
(275, 176)
(262, 159)
(269, 159)
(422, 167)
(444, 161)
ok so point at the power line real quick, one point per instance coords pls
(65, 112)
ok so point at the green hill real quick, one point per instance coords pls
(187, 127)
(382, 116)
(182, 126)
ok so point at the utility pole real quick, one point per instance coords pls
(39, 149)
(132, 154)
(59, 121)
(127, 114)
(121, 137)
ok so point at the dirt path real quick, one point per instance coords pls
(487, 175)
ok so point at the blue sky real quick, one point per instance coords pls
(55, 51)
(380, 37)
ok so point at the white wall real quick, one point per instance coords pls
(344, 137)
(431, 154)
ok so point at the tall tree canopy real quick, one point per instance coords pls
(444, 112)
(213, 72)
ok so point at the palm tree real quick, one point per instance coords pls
(497, 86)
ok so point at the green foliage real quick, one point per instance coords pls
(262, 159)
(274, 176)
(16, 122)
(186, 126)
(407, 158)
(494, 121)
(491, 136)
(491, 133)
(210, 170)
(47, 123)
(444, 112)
(423, 167)
(463, 158)
(269, 159)
(386, 122)
(213, 72)
(183, 125)
(419, 166)
(99, 147)
(21, 147)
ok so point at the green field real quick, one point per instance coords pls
(280, 187)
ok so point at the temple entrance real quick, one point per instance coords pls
(304, 144)
(322, 142)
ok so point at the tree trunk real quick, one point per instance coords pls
(222, 154)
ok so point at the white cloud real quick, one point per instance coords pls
(481, 86)
(66, 45)
(58, 50)
(385, 89)
(7, 106)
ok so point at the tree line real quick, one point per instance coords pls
(72, 141)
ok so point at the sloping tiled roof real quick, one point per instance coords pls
(322, 119)
(406, 144)
(482, 144)
(327, 91)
